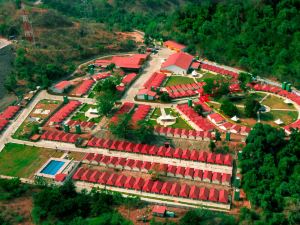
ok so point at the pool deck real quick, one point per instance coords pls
(62, 168)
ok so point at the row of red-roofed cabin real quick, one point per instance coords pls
(219, 70)
(85, 126)
(60, 136)
(185, 87)
(64, 112)
(84, 87)
(140, 113)
(183, 133)
(163, 169)
(3, 124)
(10, 112)
(276, 90)
(126, 108)
(220, 122)
(201, 122)
(150, 186)
(192, 155)
(155, 80)
(184, 94)
(101, 76)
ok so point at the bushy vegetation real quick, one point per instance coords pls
(63, 205)
(260, 36)
(10, 189)
(270, 167)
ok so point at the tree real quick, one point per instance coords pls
(212, 146)
(144, 132)
(198, 109)
(122, 128)
(229, 108)
(165, 97)
(105, 104)
(111, 67)
(251, 106)
(209, 86)
(244, 79)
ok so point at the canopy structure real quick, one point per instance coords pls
(278, 121)
(166, 120)
(194, 73)
(235, 118)
(287, 101)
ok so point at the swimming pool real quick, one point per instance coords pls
(52, 167)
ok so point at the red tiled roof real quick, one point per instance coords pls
(60, 177)
(112, 179)
(62, 85)
(194, 192)
(121, 181)
(158, 209)
(223, 196)
(95, 176)
(157, 185)
(174, 45)
(184, 191)
(175, 189)
(148, 185)
(213, 195)
(195, 65)
(84, 87)
(103, 178)
(180, 59)
(9, 112)
(203, 193)
(165, 190)
(139, 182)
(129, 182)
(78, 173)
(129, 78)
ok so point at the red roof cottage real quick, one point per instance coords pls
(174, 46)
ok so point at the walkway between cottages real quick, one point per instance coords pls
(154, 65)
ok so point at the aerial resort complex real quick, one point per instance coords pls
(146, 128)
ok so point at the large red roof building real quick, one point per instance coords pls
(178, 63)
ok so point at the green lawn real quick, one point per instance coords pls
(206, 75)
(175, 80)
(80, 115)
(275, 102)
(22, 160)
(180, 123)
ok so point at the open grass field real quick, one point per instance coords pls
(275, 102)
(22, 160)
(175, 80)
(206, 75)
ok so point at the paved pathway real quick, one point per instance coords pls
(154, 65)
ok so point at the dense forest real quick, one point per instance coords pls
(271, 174)
(262, 36)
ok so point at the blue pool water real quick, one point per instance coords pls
(52, 167)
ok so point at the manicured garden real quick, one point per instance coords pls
(80, 115)
(180, 122)
(22, 160)
(175, 80)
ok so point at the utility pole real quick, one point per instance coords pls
(28, 31)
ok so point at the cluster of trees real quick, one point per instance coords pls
(270, 167)
(216, 88)
(124, 129)
(107, 93)
(260, 36)
(63, 205)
